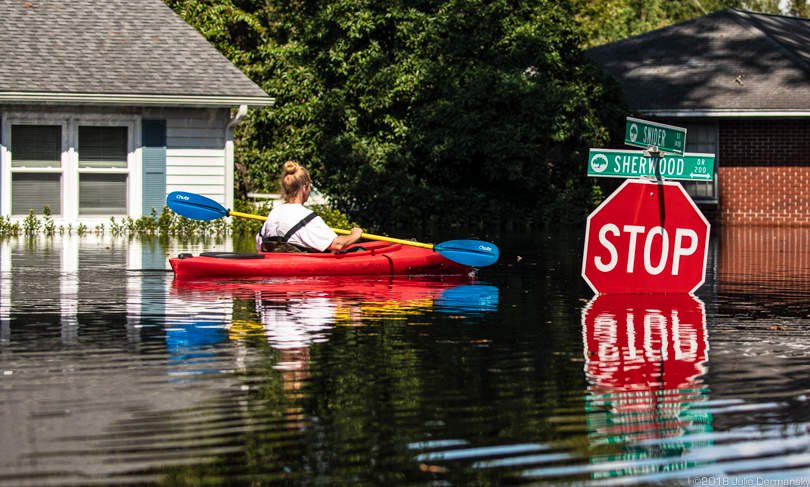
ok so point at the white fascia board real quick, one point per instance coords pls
(720, 113)
(138, 100)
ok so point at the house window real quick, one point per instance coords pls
(35, 191)
(76, 166)
(103, 170)
(36, 169)
(702, 138)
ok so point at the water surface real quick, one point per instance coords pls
(111, 372)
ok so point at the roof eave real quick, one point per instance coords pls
(50, 98)
(725, 113)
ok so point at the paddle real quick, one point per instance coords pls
(473, 253)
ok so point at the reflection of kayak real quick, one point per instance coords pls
(396, 288)
(455, 294)
(376, 258)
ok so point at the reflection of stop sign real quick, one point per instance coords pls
(644, 343)
(646, 237)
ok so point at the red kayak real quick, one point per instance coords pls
(368, 258)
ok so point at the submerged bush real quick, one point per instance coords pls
(165, 224)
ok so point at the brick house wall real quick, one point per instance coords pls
(764, 172)
(765, 259)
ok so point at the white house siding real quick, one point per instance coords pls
(195, 153)
(70, 118)
(196, 146)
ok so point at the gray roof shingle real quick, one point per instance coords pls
(131, 47)
(731, 60)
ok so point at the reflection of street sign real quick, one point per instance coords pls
(645, 358)
(645, 134)
(634, 164)
(646, 237)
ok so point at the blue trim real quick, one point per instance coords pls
(1, 161)
(154, 165)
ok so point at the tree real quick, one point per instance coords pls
(260, 37)
(454, 110)
(613, 20)
(410, 111)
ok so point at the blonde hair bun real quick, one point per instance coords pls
(290, 167)
(293, 180)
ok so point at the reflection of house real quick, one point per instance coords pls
(83, 313)
(740, 83)
(106, 106)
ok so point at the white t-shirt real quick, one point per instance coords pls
(296, 323)
(316, 234)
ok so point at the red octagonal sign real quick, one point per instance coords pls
(646, 237)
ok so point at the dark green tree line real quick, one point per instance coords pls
(412, 111)
(446, 110)
(611, 20)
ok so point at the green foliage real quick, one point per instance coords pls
(249, 226)
(334, 218)
(31, 224)
(430, 113)
(48, 225)
(612, 20)
(166, 224)
(7, 228)
(408, 112)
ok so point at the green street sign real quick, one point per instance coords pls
(645, 134)
(612, 163)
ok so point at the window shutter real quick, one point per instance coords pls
(154, 165)
(102, 194)
(702, 138)
(36, 146)
(34, 191)
(102, 146)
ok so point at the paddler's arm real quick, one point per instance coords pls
(343, 240)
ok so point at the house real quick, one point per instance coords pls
(739, 82)
(106, 106)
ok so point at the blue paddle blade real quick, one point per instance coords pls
(474, 253)
(469, 299)
(195, 206)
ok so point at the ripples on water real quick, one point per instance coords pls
(111, 372)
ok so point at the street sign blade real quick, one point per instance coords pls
(646, 134)
(611, 163)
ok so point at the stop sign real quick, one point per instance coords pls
(646, 237)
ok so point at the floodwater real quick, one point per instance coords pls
(112, 373)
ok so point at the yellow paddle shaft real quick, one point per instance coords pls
(246, 215)
(369, 236)
(340, 231)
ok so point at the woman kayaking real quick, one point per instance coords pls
(290, 227)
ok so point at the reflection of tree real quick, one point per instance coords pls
(409, 372)
(367, 388)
